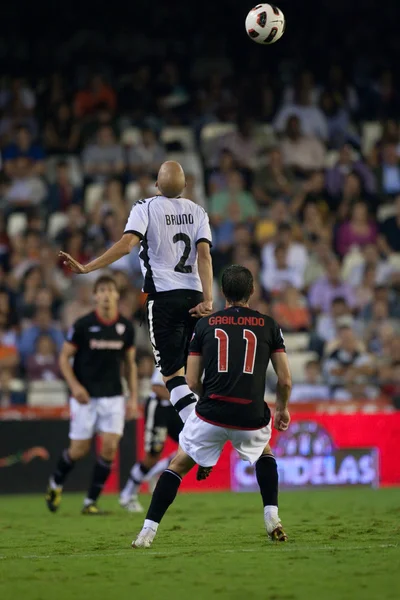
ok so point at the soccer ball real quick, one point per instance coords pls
(265, 24)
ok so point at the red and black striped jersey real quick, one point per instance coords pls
(236, 345)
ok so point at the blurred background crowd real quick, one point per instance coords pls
(293, 153)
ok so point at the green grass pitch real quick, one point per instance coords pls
(344, 545)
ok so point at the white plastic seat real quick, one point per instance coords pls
(47, 393)
(16, 224)
(184, 135)
(132, 191)
(371, 132)
(385, 211)
(93, 194)
(57, 221)
(296, 342)
(297, 362)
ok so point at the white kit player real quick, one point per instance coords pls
(175, 239)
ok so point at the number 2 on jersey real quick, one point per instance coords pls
(223, 350)
(181, 267)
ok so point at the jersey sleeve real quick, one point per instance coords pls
(204, 230)
(195, 347)
(129, 336)
(138, 220)
(278, 342)
(76, 334)
(157, 378)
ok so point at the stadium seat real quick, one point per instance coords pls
(132, 190)
(57, 221)
(16, 224)
(297, 362)
(130, 136)
(183, 135)
(265, 135)
(394, 261)
(385, 211)
(296, 342)
(353, 259)
(47, 393)
(75, 169)
(92, 195)
(211, 133)
(331, 158)
(371, 132)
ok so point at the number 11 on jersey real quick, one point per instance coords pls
(223, 350)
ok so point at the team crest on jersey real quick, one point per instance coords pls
(120, 328)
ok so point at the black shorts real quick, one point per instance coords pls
(171, 327)
(161, 421)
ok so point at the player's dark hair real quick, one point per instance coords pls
(104, 280)
(237, 284)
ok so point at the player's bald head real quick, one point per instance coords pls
(171, 179)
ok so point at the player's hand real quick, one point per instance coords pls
(132, 410)
(72, 264)
(81, 394)
(202, 310)
(281, 419)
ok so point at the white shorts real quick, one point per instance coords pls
(204, 442)
(101, 415)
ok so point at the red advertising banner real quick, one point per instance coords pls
(318, 449)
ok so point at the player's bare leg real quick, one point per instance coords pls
(77, 450)
(267, 478)
(163, 496)
(101, 472)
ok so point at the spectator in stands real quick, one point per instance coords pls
(144, 188)
(328, 287)
(76, 223)
(382, 293)
(242, 144)
(17, 103)
(277, 275)
(380, 329)
(26, 191)
(11, 391)
(218, 180)
(42, 326)
(105, 158)
(370, 257)
(112, 201)
(30, 285)
(62, 132)
(337, 119)
(312, 389)
(389, 370)
(388, 173)
(296, 256)
(53, 277)
(97, 92)
(315, 225)
(359, 230)
(273, 180)
(43, 364)
(312, 121)
(389, 238)
(23, 147)
(310, 191)
(75, 245)
(103, 116)
(9, 357)
(301, 153)
(352, 193)
(235, 205)
(348, 163)
(62, 192)
(291, 311)
(80, 305)
(326, 327)
(146, 156)
(348, 365)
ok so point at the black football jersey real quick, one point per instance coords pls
(236, 345)
(101, 348)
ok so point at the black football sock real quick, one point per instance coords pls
(101, 471)
(267, 478)
(163, 495)
(182, 399)
(64, 466)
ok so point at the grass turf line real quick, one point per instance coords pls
(343, 545)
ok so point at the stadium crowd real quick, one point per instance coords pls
(301, 181)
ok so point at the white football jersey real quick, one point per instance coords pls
(169, 230)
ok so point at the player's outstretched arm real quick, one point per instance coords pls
(117, 251)
(206, 277)
(77, 390)
(283, 389)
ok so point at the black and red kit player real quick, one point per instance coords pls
(233, 348)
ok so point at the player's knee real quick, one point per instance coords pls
(78, 449)
(109, 448)
(181, 464)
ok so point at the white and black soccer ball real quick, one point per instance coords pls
(265, 24)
